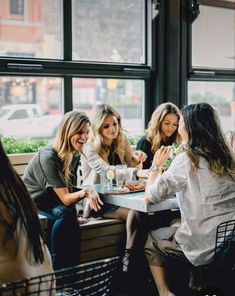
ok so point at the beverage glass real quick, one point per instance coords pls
(129, 174)
(121, 170)
(103, 180)
(106, 179)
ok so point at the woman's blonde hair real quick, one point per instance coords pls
(70, 125)
(154, 127)
(98, 115)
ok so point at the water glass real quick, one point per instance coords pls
(121, 172)
(103, 180)
(129, 174)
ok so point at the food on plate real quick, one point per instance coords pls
(134, 186)
(123, 189)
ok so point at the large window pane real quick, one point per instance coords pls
(127, 96)
(31, 28)
(107, 30)
(30, 107)
(213, 38)
(220, 95)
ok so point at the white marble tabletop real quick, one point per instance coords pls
(135, 201)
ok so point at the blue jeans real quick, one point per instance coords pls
(64, 235)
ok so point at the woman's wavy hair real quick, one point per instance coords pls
(70, 125)
(98, 115)
(153, 133)
(206, 139)
(16, 206)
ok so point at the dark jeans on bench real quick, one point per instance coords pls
(64, 235)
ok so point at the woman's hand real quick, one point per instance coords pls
(161, 156)
(139, 156)
(93, 198)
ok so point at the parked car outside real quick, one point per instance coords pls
(27, 120)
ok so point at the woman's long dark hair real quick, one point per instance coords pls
(206, 139)
(18, 206)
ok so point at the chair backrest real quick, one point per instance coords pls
(225, 245)
(92, 278)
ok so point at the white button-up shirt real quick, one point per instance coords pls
(205, 200)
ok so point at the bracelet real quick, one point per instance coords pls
(155, 168)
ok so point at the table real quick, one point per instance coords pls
(135, 201)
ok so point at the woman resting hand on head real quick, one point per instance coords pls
(106, 148)
(23, 252)
(204, 177)
(51, 178)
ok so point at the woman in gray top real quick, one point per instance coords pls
(204, 176)
(51, 178)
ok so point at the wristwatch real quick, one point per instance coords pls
(154, 168)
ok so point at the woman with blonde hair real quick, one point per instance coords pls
(51, 178)
(107, 147)
(162, 130)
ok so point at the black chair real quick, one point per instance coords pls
(225, 246)
(88, 279)
(220, 273)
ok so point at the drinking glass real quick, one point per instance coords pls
(121, 170)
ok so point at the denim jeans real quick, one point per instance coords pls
(64, 235)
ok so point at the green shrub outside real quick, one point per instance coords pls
(13, 146)
(29, 145)
(133, 140)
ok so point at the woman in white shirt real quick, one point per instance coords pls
(204, 176)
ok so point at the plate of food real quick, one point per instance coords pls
(130, 187)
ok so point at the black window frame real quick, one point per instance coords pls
(67, 69)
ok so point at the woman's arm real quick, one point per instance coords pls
(93, 159)
(68, 198)
(159, 158)
(133, 158)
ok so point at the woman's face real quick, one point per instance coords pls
(79, 139)
(109, 129)
(169, 124)
(182, 130)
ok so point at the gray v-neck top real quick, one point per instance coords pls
(43, 173)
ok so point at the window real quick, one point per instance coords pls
(211, 46)
(108, 31)
(25, 106)
(212, 66)
(39, 36)
(221, 95)
(71, 55)
(127, 96)
(19, 114)
(17, 7)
